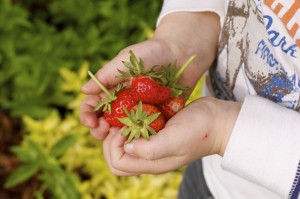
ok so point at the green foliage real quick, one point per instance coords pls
(39, 37)
(22, 174)
(62, 145)
(43, 44)
(37, 161)
(79, 163)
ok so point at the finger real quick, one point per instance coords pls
(107, 155)
(106, 75)
(133, 164)
(101, 131)
(159, 146)
(87, 115)
(152, 52)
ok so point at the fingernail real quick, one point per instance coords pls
(128, 148)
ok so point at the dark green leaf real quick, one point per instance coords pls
(21, 174)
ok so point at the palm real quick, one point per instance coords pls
(174, 146)
(198, 116)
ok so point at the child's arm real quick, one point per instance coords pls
(265, 146)
(172, 6)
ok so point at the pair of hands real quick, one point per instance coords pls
(200, 129)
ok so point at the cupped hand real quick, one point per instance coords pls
(175, 39)
(200, 129)
(153, 52)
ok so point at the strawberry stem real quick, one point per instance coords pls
(110, 96)
(181, 70)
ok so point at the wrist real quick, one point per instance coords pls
(191, 33)
(227, 115)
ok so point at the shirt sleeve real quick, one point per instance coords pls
(170, 6)
(265, 146)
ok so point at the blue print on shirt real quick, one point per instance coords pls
(275, 87)
(278, 40)
(256, 56)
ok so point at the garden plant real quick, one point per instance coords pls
(47, 48)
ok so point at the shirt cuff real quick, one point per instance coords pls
(265, 146)
(170, 6)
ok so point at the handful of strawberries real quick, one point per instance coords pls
(144, 107)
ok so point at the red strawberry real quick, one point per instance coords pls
(145, 82)
(170, 78)
(113, 105)
(142, 120)
(124, 98)
(172, 106)
(148, 91)
(159, 122)
(171, 75)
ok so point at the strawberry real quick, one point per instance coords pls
(171, 75)
(148, 91)
(113, 105)
(172, 106)
(145, 84)
(170, 78)
(158, 123)
(143, 119)
(124, 98)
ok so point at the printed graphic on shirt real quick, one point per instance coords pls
(287, 11)
(259, 40)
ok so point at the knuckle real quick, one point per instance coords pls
(117, 172)
(113, 170)
(97, 135)
(150, 154)
(114, 163)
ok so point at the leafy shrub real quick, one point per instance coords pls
(81, 167)
(39, 37)
(42, 45)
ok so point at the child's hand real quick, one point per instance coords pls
(153, 52)
(176, 38)
(200, 129)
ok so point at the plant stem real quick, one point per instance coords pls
(101, 86)
(180, 71)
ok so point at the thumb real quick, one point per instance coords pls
(156, 148)
(106, 75)
(150, 51)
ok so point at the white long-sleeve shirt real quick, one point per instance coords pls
(259, 64)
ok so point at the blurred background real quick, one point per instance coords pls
(46, 48)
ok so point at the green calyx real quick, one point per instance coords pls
(171, 75)
(105, 103)
(136, 68)
(137, 123)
